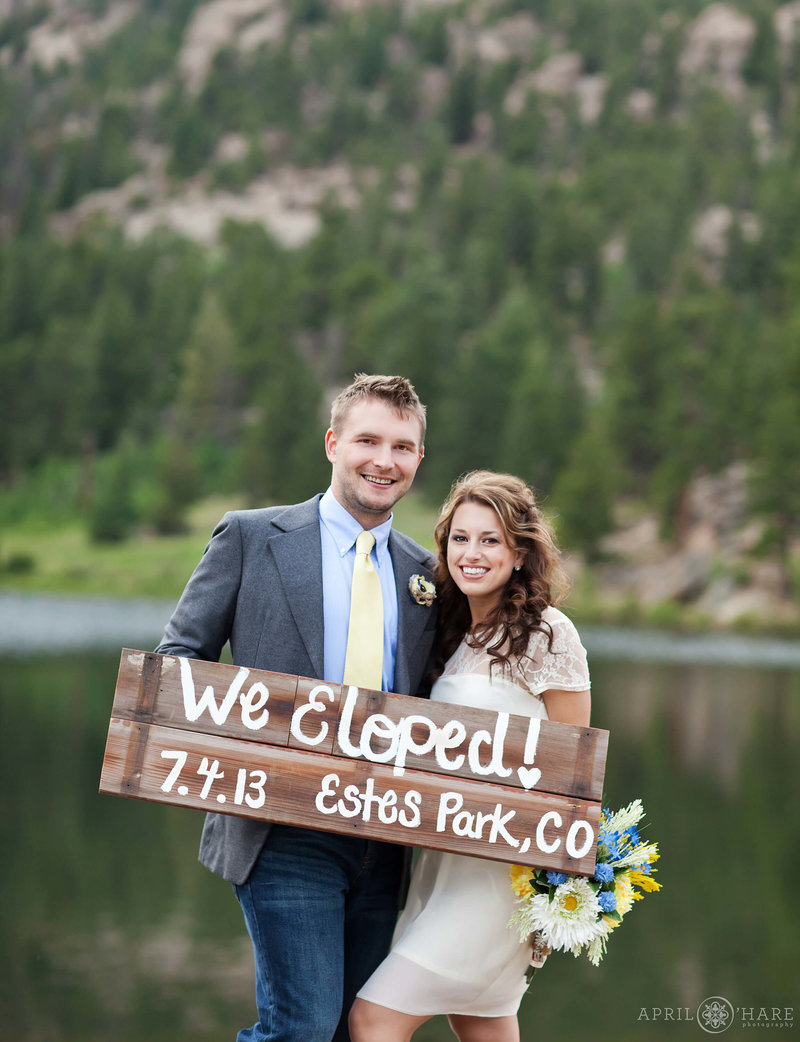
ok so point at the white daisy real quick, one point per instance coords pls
(571, 919)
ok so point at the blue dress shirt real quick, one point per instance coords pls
(339, 531)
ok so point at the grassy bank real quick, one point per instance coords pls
(64, 560)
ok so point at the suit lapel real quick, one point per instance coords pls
(297, 552)
(412, 617)
(298, 557)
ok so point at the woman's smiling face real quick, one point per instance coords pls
(479, 558)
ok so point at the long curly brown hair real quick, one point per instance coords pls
(539, 583)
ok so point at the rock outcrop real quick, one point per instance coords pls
(712, 564)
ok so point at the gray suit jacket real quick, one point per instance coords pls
(259, 586)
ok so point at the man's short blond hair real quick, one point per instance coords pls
(396, 391)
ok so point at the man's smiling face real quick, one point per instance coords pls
(375, 456)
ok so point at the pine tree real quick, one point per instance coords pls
(584, 493)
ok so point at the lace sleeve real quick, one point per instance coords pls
(564, 666)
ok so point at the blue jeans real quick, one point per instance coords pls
(320, 910)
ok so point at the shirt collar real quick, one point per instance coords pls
(344, 528)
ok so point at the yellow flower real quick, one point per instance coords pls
(521, 880)
(644, 882)
(624, 892)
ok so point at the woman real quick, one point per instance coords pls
(503, 645)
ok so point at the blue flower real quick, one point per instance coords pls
(556, 878)
(603, 873)
(607, 901)
(633, 836)
(611, 841)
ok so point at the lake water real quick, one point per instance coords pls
(110, 930)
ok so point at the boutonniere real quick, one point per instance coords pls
(422, 590)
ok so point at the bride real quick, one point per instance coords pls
(503, 645)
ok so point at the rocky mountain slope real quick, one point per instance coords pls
(603, 159)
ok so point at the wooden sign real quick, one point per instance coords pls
(303, 752)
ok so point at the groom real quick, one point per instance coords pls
(276, 583)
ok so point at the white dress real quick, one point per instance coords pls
(452, 951)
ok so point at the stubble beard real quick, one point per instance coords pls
(358, 502)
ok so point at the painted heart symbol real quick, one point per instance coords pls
(529, 776)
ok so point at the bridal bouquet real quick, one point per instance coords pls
(577, 913)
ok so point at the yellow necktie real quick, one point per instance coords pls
(363, 665)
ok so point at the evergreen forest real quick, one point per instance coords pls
(572, 223)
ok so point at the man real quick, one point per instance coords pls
(276, 583)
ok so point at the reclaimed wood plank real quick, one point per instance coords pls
(341, 759)
(348, 796)
(435, 736)
(382, 727)
(214, 697)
